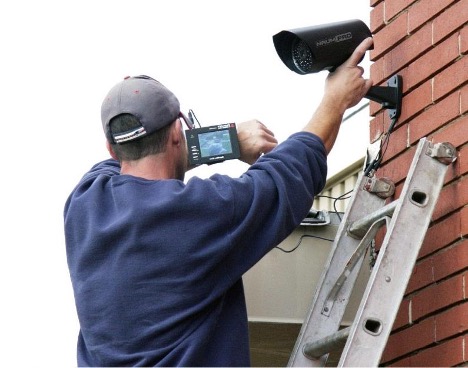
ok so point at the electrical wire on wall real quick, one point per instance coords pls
(336, 199)
(373, 166)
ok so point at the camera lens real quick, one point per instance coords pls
(302, 56)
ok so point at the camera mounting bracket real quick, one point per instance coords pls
(390, 97)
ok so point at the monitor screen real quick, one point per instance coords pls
(215, 143)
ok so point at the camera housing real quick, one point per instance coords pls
(209, 145)
(321, 47)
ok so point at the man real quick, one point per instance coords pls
(156, 263)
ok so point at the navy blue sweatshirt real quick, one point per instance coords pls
(157, 265)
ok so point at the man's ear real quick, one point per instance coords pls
(175, 137)
(111, 150)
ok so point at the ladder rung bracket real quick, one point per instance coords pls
(360, 227)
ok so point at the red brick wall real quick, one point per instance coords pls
(426, 42)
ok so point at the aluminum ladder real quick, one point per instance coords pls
(406, 220)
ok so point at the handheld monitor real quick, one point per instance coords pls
(212, 144)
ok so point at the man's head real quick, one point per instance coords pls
(153, 105)
(138, 115)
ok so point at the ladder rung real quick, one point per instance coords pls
(327, 345)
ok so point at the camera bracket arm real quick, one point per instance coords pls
(390, 97)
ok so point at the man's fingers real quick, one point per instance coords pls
(359, 52)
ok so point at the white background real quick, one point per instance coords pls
(59, 59)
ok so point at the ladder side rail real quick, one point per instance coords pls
(392, 271)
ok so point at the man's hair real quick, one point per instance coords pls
(145, 146)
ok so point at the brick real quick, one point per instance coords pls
(377, 20)
(432, 61)
(422, 275)
(374, 108)
(375, 2)
(456, 132)
(453, 171)
(425, 10)
(464, 40)
(464, 99)
(401, 363)
(450, 78)
(441, 234)
(403, 317)
(434, 117)
(448, 354)
(389, 36)
(450, 260)
(450, 20)
(463, 160)
(437, 296)
(376, 127)
(410, 339)
(377, 72)
(416, 101)
(452, 322)
(449, 200)
(463, 190)
(408, 50)
(392, 8)
(464, 222)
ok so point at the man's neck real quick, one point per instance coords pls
(153, 167)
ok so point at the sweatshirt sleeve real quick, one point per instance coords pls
(274, 196)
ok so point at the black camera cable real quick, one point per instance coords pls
(373, 166)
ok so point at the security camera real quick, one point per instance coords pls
(325, 47)
(322, 47)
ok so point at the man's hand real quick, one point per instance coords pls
(255, 139)
(344, 88)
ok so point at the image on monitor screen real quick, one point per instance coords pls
(215, 143)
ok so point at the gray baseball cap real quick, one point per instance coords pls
(144, 97)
